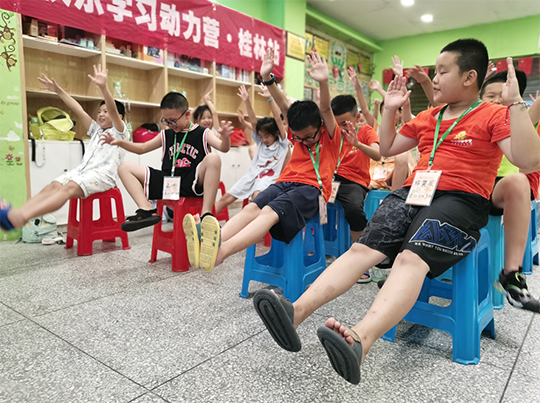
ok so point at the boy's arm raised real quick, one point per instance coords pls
(360, 95)
(393, 143)
(100, 79)
(223, 144)
(275, 110)
(266, 69)
(534, 110)
(210, 103)
(371, 150)
(319, 72)
(51, 85)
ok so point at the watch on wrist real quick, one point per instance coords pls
(271, 81)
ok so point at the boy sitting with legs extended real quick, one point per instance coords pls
(98, 170)
(427, 229)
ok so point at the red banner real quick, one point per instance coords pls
(525, 64)
(195, 28)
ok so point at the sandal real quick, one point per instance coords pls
(210, 242)
(5, 225)
(364, 280)
(141, 219)
(192, 231)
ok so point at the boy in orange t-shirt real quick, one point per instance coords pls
(424, 240)
(284, 207)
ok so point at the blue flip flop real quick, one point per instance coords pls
(5, 225)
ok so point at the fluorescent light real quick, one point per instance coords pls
(407, 3)
(427, 18)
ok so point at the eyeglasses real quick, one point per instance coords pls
(308, 139)
(172, 123)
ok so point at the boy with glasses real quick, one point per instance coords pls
(188, 168)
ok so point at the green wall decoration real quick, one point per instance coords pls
(12, 144)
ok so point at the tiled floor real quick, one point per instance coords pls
(114, 328)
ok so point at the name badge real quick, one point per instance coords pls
(379, 173)
(335, 188)
(423, 188)
(323, 214)
(171, 188)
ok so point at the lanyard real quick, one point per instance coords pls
(179, 148)
(340, 148)
(436, 143)
(316, 166)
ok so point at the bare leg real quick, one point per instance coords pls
(209, 176)
(255, 194)
(55, 200)
(249, 235)
(41, 196)
(132, 176)
(336, 279)
(393, 302)
(239, 221)
(513, 194)
(225, 200)
(401, 170)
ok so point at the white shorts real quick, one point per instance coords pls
(89, 182)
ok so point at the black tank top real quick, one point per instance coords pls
(193, 151)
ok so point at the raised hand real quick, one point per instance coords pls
(267, 64)
(377, 102)
(352, 77)
(397, 94)
(397, 66)
(226, 129)
(491, 69)
(374, 85)
(418, 74)
(264, 92)
(48, 83)
(243, 93)
(107, 138)
(208, 97)
(100, 76)
(319, 68)
(241, 119)
(510, 91)
(534, 98)
(350, 134)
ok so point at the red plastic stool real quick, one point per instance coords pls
(267, 238)
(85, 230)
(223, 214)
(174, 242)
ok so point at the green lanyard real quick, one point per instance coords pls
(179, 148)
(340, 148)
(316, 166)
(436, 143)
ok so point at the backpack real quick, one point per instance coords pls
(39, 228)
(55, 124)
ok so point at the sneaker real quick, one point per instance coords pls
(514, 286)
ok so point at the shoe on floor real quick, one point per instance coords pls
(514, 286)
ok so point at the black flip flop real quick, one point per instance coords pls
(277, 315)
(141, 219)
(344, 359)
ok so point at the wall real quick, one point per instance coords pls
(513, 38)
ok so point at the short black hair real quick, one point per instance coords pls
(174, 100)
(344, 104)
(119, 107)
(303, 114)
(199, 111)
(268, 125)
(502, 76)
(473, 55)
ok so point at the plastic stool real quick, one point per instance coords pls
(495, 228)
(337, 232)
(267, 240)
(531, 250)
(86, 230)
(223, 214)
(174, 242)
(373, 199)
(471, 310)
(285, 265)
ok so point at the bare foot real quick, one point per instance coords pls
(341, 330)
(16, 219)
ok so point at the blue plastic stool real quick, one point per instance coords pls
(285, 265)
(495, 228)
(373, 199)
(337, 232)
(531, 250)
(471, 310)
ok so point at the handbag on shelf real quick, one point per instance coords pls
(55, 124)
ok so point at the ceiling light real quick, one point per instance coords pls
(407, 3)
(427, 18)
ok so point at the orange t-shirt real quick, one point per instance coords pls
(300, 169)
(469, 156)
(355, 164)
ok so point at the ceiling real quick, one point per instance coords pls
(388, 19)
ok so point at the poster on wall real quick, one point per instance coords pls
(322, 46)
(12, 145)
(309, 43)
(296, 46)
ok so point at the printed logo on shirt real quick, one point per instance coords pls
(444, 238)
(461, 139)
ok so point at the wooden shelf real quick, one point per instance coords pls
(33, 42)
(194, 75)
(131, 62)
(231, 83)
(141, 104)
(48, 94)
(233, 115)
